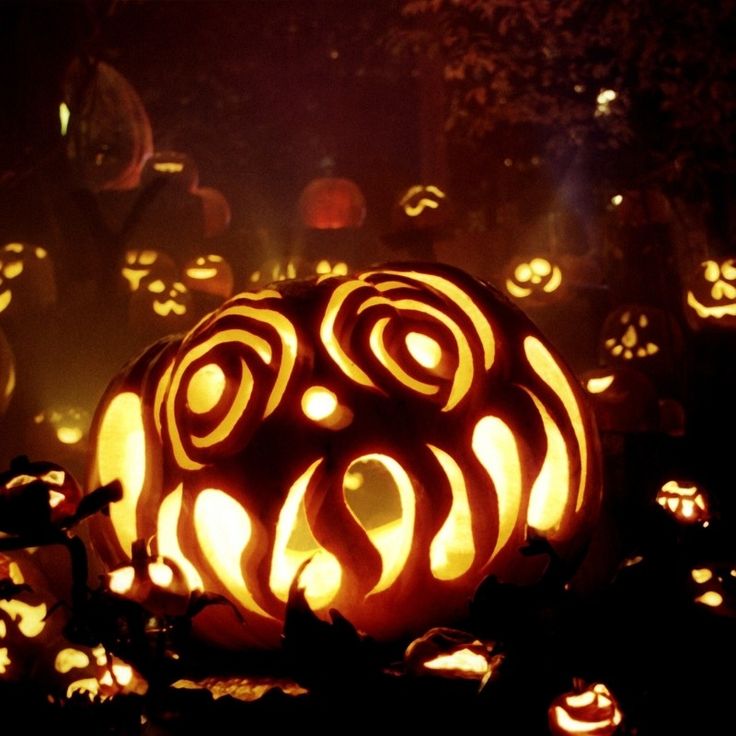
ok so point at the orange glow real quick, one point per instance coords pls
(463, 661)
(319, 403)
(599, 385)
(168, 539)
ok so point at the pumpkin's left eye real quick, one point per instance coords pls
(20, 480)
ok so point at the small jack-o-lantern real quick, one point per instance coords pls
(160, 306)
(34, 495)
(714, 588)
(535, 281)
(60, 432)
(641, 336)
(294, 267)
(453, 654)
(422, 207)
(216, 213)
(623, 399)
(170, 169)
(685, 500)
(145, 263)
(710, 295)
(587, 710)
(7, 373)
(388, 438)
(27, 283)
(209, 274)
(331, 204)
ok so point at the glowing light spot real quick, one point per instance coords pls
(453, 550)
(523, 272)
(168, 167)
(318, 403)
(424, 349)
(31, 619)
(711, 599)
(206, 388)
(164, 309)
(13, 269)
(157, 286)
(70, 659)
(69, 435)
(223, 530)
(20, 480)
(701, 575)
(462, 661)
(617, 199)
(599, 385)
(161, 574)
(201, 274)
(168, 538)
(5, 661)
(121, 455)
(5, 299)
(64, 115)
(120, 581)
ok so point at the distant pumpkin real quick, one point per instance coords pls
(27, 283)
(145, 263)
(590, 710)
(535, 281)
(209, 274)
(710, 295)
(685, 500)
(160, 307)
(331, 204)
(171, 169)
(422, 207)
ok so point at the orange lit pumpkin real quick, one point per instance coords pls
(294, 267)
(159, 307)
(331, 204)
(422, 207)
(145, 263)
(535, 281)
(714, 588)
(209, 274)
(590, 710)
(395, 434)
(685, 500)
(710, 295)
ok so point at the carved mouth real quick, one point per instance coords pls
(725, 310)
(164, 309)
(201, 274)
(5, 298)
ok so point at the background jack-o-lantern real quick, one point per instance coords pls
(710, 295)
(685, 501)
(587, 710)
(209, 274)
(27, 283)
(160, 306)
(422, 207)
(535, 281)
(170, 169)
(331, 204)
(145, 263)
(393, 435)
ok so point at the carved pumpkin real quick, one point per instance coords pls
(109, 136)
(396, 433)
(294, 267)
(171, 169)
(146, 263)
(685, 500)
(536, 281)
(209, 274)
(641, 336)
(711, 295)
(714, 588)
(623, 399)
(27, 283)
(422, 207)
(331, 204)
(160, 306)
(592, 710)
(7, 373)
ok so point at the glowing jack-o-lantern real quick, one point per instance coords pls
(160, 306)
(171, 169)
(209, 274)
(7, 373)
(714, 588)
(27, 281)
(331, 204)
(392, 435)
(686, 501)
(294, 268)
(422, 207)
(711, 295)
(146, 263)
(535, 281)
(591, 710)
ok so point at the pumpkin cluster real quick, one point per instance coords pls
(385, 440)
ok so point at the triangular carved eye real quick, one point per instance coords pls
(55, 477)
(20, 480)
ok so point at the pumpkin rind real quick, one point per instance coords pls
(259, 441)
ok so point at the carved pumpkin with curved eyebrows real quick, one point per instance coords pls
(394, 433)
(535, 281)
(711, 295)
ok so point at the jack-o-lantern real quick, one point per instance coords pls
(685, 500)
(216, 213)
(27, 283)
(641, 336)
(623, 399)
(145, 263)
(714, 588)
(588, 710)
(535, 281)
(388, 438)
(7, 373)
(710, 295)
(109, 136)
(294, 267)
(209, 274)
(160, 306)
(170, 169)
(331, 204)
(34, 495)
(422, 207)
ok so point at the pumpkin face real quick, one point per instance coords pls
(160, 306)
(172, 169)
(593, 711)
(396, 433)
(714, 588)
(210, 274)
(294, 267)
(686, 501)
(27, 281)
(422, 207)
(711, 295)
(331, 204)
(536, 281)
(145, 263)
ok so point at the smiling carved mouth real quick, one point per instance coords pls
(200, 274)
(164, 309)
(5, 298)
(725, 310)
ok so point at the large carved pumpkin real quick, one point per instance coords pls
(397, 433)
